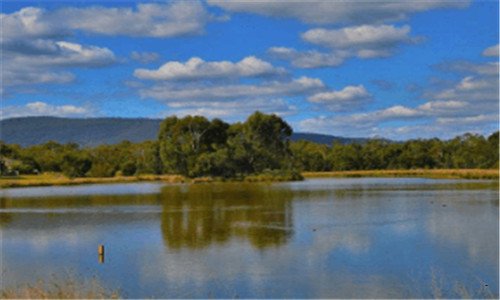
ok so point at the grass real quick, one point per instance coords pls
(427, 173)
(56, 288)
(58, 179)
(55, 179)
(51, 179)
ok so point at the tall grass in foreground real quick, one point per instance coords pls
(56, 288)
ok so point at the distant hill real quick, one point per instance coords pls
(28, 131)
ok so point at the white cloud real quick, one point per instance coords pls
(474, 89)
(147, 19)
(196, 68)
(479, 119)
(34, 51)
(434, 106)
(491, 51)
(469, 105)
(349, 98)
(21, 76)
(238, 110)
(45, 67)
(490, 68)
(365, 41)
(358, 121)
(144, 57)
(335, 12)
(307, 59)
(34, 41)
(358, 124)
(179, 95)
(231, 101)
(30, 22)
(471, 83)
(39, 108)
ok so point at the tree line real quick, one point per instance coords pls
(194, 146)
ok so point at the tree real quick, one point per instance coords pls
(75, 165)
(309, 156)
(182, 141)
(261, 143)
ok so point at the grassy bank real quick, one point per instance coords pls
(437, 173)
(56, 179)
(50, 179)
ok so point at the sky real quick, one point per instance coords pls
(391, 69)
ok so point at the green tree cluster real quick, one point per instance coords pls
(463, 152)
(194, 146)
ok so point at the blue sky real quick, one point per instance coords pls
(398, 69)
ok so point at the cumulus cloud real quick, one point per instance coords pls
(337, 12)
(307, 59)
(30, 22)
(468, 105)
(471, 88)
(238, 110)
(358, 124)
(196, 68)
(467, 67)
(491, 51)
(20, 76)
(179, 95)
(446, 127)
(146, 20)
(366, 41)
(45, 67)
(144, 57)
(34, 40)
(231, 101)
(34, 51)
(40, 108)
(347, 99)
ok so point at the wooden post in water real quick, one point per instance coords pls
(100, 252)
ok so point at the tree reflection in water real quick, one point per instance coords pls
(195, 216)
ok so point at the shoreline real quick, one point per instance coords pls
(423, 173)
(55, 179)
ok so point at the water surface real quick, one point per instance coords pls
(320, 238)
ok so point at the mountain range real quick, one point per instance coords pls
(27, 131)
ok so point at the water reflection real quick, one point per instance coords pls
(327, 238)
(192, 216)
(198, 215)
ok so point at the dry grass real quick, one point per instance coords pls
(60, 289)
(51, 179)
(54, 179)
(428, 173)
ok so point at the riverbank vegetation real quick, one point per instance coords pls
(427, 173)
(258, 149)
(60, 288)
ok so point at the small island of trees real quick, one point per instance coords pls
(194, 146)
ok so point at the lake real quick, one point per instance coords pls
(319, 238)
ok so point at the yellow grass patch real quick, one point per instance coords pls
(434, 173)
(50, 179)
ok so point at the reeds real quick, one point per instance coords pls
(428, 173)
(56, 288)
(52, 179)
